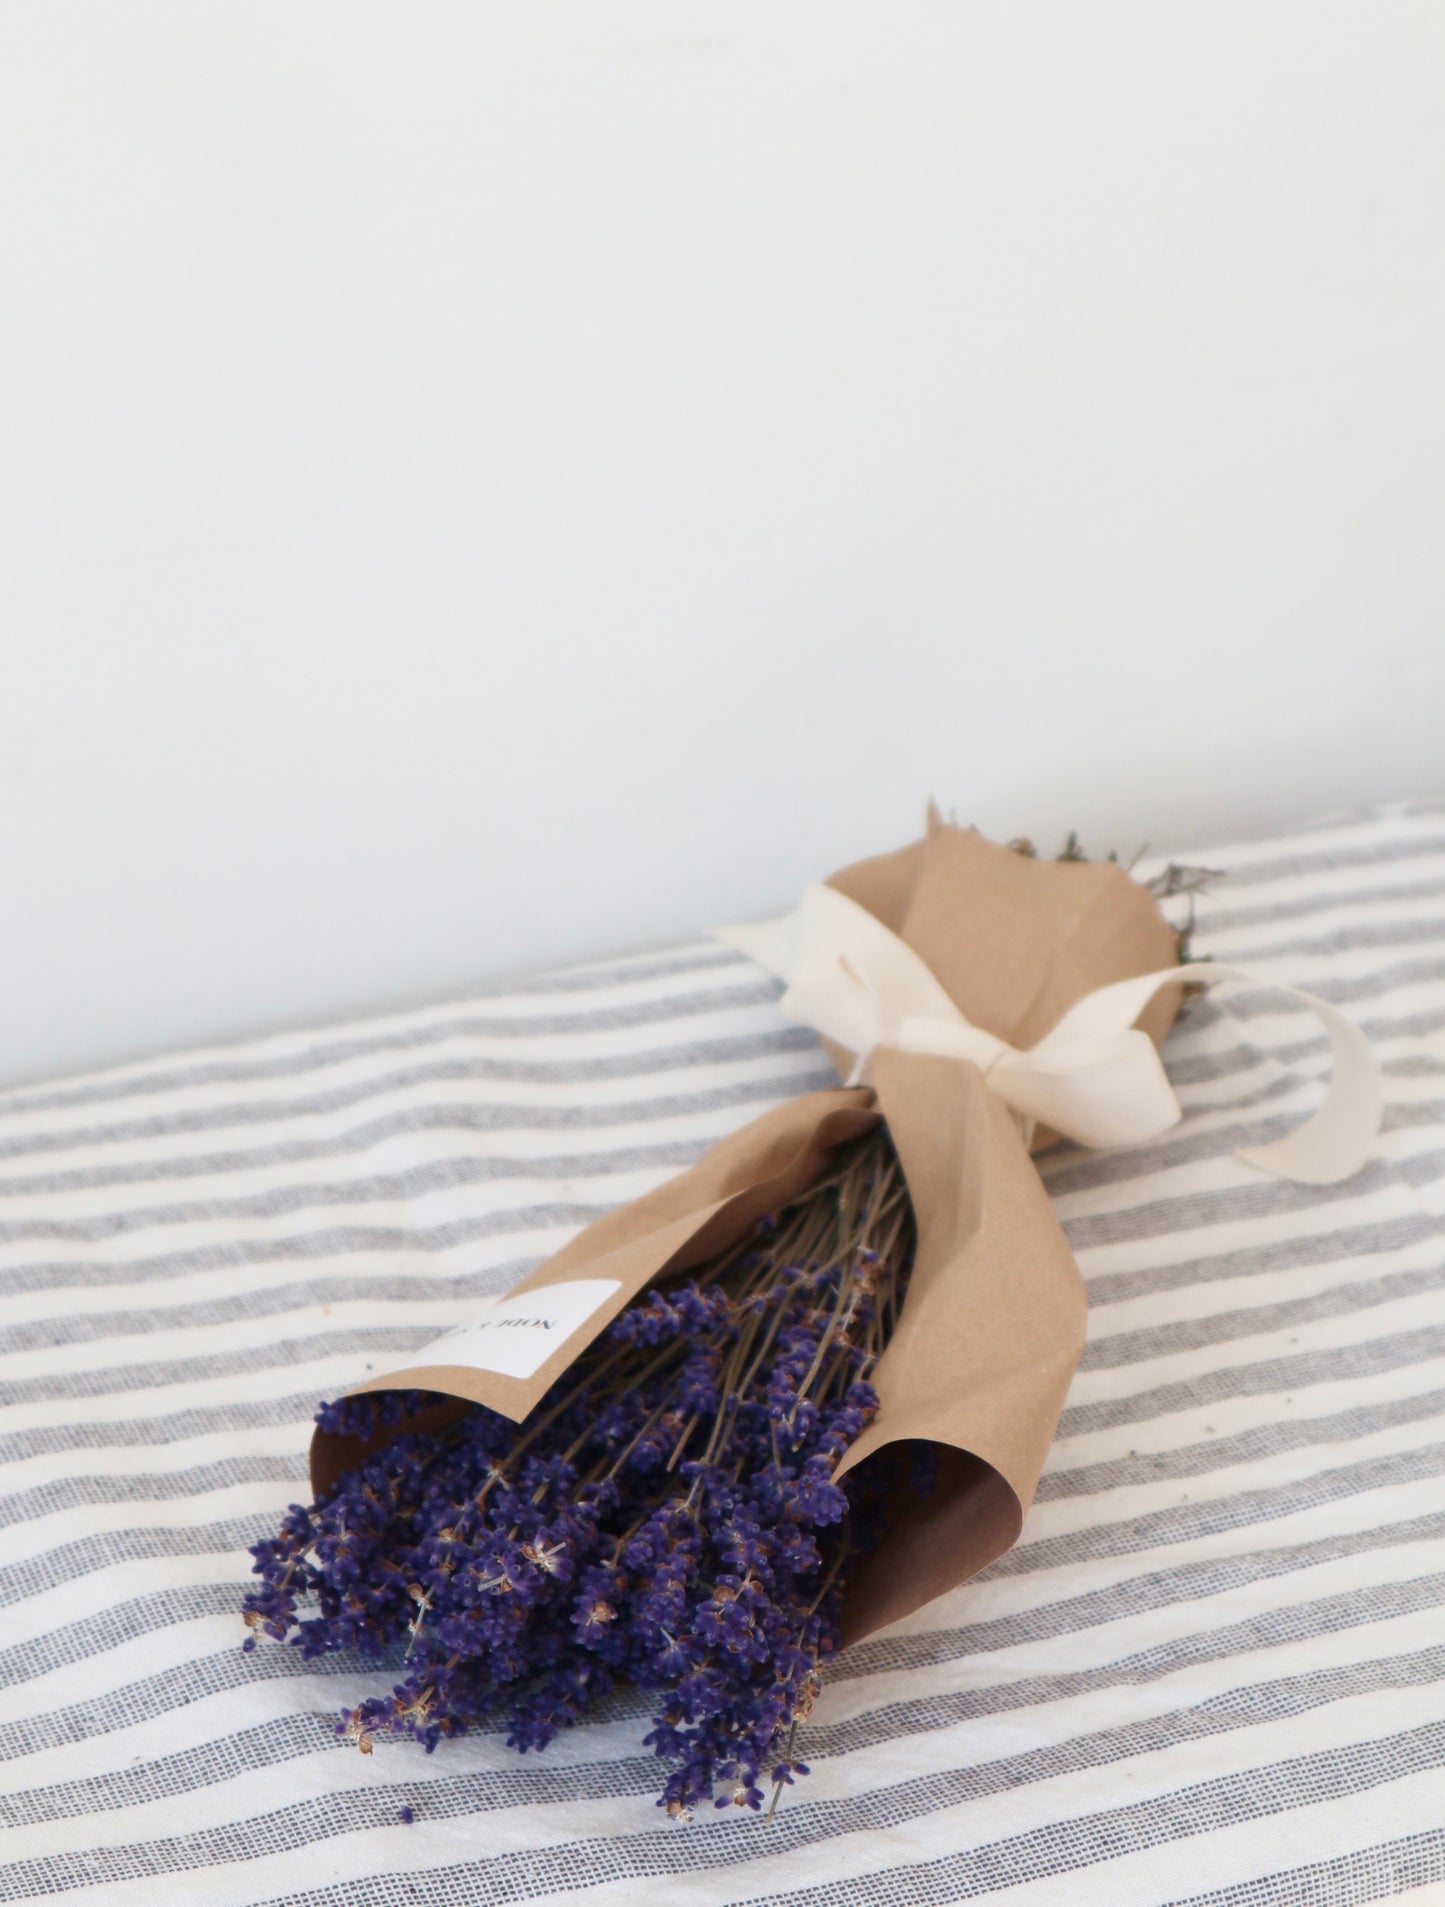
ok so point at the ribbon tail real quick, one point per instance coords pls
(1333, 1142)
(773, 944)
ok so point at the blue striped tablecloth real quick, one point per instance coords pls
(1212, 1671)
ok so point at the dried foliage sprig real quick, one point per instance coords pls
(666, 1516)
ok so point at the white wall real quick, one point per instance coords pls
(491, 482)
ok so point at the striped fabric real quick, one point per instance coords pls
(1213, 1671)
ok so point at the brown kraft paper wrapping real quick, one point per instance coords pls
(993, 1322)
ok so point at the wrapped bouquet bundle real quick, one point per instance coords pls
(802, 1388)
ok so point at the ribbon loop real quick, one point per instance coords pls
(1094, 1077)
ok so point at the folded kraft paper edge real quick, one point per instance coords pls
(993, 1323)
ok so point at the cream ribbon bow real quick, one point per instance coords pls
(1093, 1077)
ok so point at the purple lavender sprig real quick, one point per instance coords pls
(666, 1516)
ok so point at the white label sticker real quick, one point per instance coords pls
(516, 1335)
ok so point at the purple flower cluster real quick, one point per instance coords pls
(666, 1516)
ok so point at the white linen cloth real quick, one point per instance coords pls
(1212, 1671)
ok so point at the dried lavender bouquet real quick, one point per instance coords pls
(666, 1516)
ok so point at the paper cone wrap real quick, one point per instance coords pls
(993, 1322)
